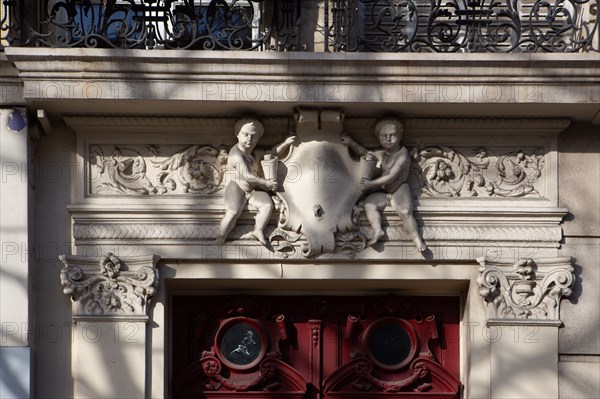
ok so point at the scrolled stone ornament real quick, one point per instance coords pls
(527, 290)
(105, 288)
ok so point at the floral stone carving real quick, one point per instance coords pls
(103, 288)
(440, 171)
(527, 290)
(196, 169)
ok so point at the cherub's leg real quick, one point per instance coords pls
(234, 200)
(403, 203)
(264, 205)
(374, 204)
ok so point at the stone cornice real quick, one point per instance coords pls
(526, 292)
(289, 63)
(133, 76)
(104, 290)
(11, 86)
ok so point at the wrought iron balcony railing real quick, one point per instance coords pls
(298, 25)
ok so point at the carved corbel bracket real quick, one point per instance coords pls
(108, 288)
(526, 292)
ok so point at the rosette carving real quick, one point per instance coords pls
(526, 290)
(103, 288)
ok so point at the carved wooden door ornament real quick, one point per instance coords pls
(378, 347)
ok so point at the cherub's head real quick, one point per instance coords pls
(389, 132)
(248, 131)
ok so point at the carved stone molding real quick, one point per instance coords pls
(90, 123)
(93, 231)
(99, 123)
(108, 288)
(555, 124)
(526, 292)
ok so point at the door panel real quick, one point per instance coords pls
(315, 347)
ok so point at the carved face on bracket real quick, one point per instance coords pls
(248, 132)
(389, 132)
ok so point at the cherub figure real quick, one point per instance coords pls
(394, 163)
(245, 186)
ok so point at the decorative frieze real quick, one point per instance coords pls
(148, 170)
(440, 171)
(110, 288)
(435, 171)
(527, 291)
(161, 181)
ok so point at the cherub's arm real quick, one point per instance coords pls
(353, 145)
(396, 170)
(281, 147)
(243, 171)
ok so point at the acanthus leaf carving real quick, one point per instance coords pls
(440, 171)
(103, 289)
(527, 290)
(196, 169)
(124, 171)
(191, 170)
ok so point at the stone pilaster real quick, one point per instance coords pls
(110, 310)
(523, 302)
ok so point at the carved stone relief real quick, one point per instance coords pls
(436, 171)
(527, 290)
(109, 287)
(440, 171)
(244, 184)
(320, 187)
(326, 199)
(153, 169)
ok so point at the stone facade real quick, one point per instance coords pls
(113, 191)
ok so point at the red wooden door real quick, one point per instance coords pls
(315, 347)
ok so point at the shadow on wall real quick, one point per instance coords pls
(14, 372)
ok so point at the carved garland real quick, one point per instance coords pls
(526, 291)
(106, 290)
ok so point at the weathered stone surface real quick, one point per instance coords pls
(580, 313)
(579, 179)
(579, 377)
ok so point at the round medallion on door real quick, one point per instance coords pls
(241, 343)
